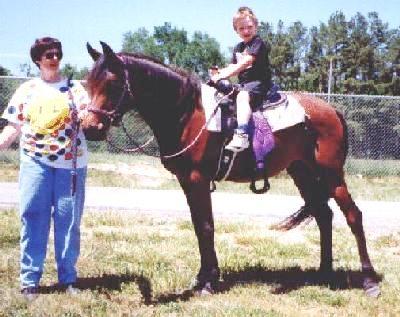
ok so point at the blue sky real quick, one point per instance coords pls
(76, 22)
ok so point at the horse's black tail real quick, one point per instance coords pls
(345, 135)
(303, 214)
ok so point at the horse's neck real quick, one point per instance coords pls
(168, 134)
(165, 124)
(167, 100)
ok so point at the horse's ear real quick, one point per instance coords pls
(92, 52)
(107, 50)
(114, 63)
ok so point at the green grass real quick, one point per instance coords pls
(132, 265)
(367, 180)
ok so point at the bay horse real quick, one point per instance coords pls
(169, 101)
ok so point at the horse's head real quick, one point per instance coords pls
(109, 90)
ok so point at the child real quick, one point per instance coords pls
(251, 63)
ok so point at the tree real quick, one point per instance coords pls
(68, 70)
(173, 41)
(27, 69)
(172, 46)
(297, 34)
(314, 73)
(334, 36)
(281, 56)
(141, 42)
(359, 55)
(200, 54)
(391, 61)
(266, 32)
(4, 71)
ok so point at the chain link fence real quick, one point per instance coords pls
(373, 127)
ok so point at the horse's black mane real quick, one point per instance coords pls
(155, 60)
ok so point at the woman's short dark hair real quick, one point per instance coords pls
(43, 44)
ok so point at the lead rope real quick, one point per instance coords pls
(74, 138)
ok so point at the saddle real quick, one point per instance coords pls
(260, 132)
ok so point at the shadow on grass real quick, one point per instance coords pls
(293, 278)
(108, 282)
(282, 281)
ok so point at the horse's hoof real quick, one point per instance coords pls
(373, 291)
(204, 290)
(371, 288)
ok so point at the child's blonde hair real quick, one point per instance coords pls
(242, 13)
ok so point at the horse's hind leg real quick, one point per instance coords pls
(315, 194)
(354, 220)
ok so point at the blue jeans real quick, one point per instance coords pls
(45, 193)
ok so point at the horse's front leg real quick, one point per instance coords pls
(197, 191)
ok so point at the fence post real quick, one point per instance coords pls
(330, 79)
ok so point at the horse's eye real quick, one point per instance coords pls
(114, 86)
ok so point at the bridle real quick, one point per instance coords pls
(116, 114)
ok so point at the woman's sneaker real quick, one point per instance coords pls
(239, 142)
(72, 290)
(30, 293)
(69, 289)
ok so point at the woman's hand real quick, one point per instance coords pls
(8, 135)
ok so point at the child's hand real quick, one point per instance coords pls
(213, 71)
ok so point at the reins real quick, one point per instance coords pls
(202, 128)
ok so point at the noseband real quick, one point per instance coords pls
(116, 114)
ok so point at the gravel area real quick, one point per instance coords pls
(378, 217)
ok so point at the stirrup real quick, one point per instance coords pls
(262, 190)
(266, 185)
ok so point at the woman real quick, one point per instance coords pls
(43, 112)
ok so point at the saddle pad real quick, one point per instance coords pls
(209, 105)
(285, 115)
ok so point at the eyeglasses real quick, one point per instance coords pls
(51, 55)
